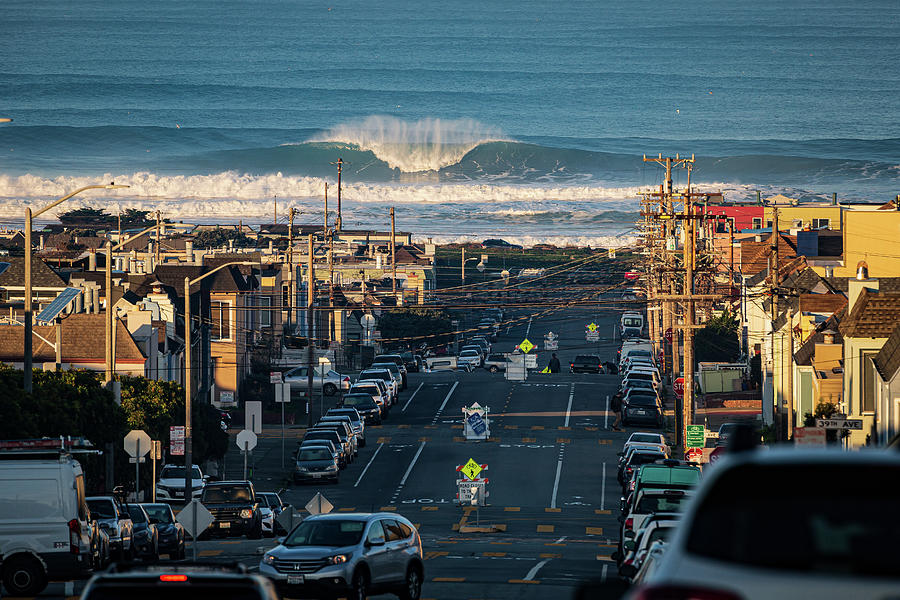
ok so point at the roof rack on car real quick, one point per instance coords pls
(47, 446)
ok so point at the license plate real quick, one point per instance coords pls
(317, 474)
(295, 579)
(224, 525)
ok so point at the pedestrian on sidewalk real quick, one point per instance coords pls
(616, 406)
(554, 364)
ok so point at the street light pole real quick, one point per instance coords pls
(189, 380)
(29, 217)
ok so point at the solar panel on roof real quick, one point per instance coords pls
(58, 305)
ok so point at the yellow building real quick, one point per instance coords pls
(871, 236)
(812, 216)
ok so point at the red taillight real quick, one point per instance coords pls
(74, 536)
(170, 578)
(572, 365)
(677, 592)
(629, 522)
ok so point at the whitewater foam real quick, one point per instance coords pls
(424, 145)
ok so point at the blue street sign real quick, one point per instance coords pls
(476, 423)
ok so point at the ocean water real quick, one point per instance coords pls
(523, 120)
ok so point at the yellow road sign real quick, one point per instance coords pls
(526, 346)
(592, 327)
(471, 469)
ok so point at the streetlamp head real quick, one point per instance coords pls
(112, 186)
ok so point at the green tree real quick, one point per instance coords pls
(86, 216)
(132, 217)
(718, 340)
(413, 325)
(218, 237)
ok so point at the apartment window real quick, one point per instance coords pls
(869, 383)
(265, 311)
(220, 319)
(286, 295)
(757, 223)
(821, 223)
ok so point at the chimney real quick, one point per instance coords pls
(41, 243)
(189, 250)
(829, 336)
(378, 260)
(829, 271)
(862, 270)
(271, 247)
(92, 260)
(856, 286)
(757, 238)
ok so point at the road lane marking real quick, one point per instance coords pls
(569, 408)
(403, 410)
(604, 557)
(512, 508)
(603, 574)
(412, 464)
(369, 464)
(493, 554)
(552, 510)
(603, 488)
(593, 530)
(528, 440)
(384, 440)
(560, 540)
(563, 440)
(562, 451)
(347, 509)
(449, 579)
(537, 427)
(545, 529)
(606, 415)
(534, 570)
(388, 509)
(523, 581)
(549, 555)
(528, 330)
(210, 552)
(602, 512)
(429, 508)
(434, 554)
(444, 404)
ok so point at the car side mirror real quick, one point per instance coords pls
(279, 540)
(629, 534)
(375, 542)
(629, 544)
(616, 556)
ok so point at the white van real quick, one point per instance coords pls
(440, 363)
(45, 528)
(631, 325)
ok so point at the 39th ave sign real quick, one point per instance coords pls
(839, 423)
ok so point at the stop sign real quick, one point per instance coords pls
(669, 334)
(679, 387)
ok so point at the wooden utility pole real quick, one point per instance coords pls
(340, 167)
(310, 350)
(325, 229)
(275, 218)
(331, 332)
(463, 263)
(158, 238)
(789, 377)
(773, 291)
(291, 278)
(687, 414)
(393, 259)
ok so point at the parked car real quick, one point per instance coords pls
(638, 457)
(117, 524)
(335, 438)
(179, 581)
(271, 501)
(495, 362)
(384, 375)
(169, 531)
(145, 535)
(45, 529)
(396, 372)
(412, 361)
(329, 382)
(641, 407)
(336, 451)
(502, 244)
(586, 363)
(356, 421)
(315, 463)
(635, 550)
(234, 506)
(374, 392)
(397, 360)
(344, 427)
(170, 487)
(365, 405)
(353, 555)
(775, 525)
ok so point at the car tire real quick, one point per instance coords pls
(256, 532)
(24, 576)
(182, 551)
(412, 586)
(329, 389)
(493, 369)
(362, 443)
(359, 586)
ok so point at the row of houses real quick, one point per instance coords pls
(817, 287)
(248, 305)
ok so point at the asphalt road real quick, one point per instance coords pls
(551, 465)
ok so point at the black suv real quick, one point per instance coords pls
(586, 363)
(179, 582)
(235, 508)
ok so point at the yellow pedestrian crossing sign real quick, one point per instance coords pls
(471, 469)
(526, 346)
(546, 370)
(592, 326)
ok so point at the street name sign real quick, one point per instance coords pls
(839, 423)
(696, 436)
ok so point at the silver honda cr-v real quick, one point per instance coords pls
(352, 554)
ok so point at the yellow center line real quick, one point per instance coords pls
(449, 579)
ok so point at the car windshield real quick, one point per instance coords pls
(643, 458)
(469, 353)
(393, 368)
(810, 525)
(314, 454)
(638, 383)
(659, 534)
(337, 412)
(632, 322)
(161, 513)
(368, 388)
(646, 438)
(634, 375)
(641, 400)
(385, 375)
(102, 509)
(326, 532)
(359, 401)
(653, 504)
(216, 494)
(178, 473)
(135, 514)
